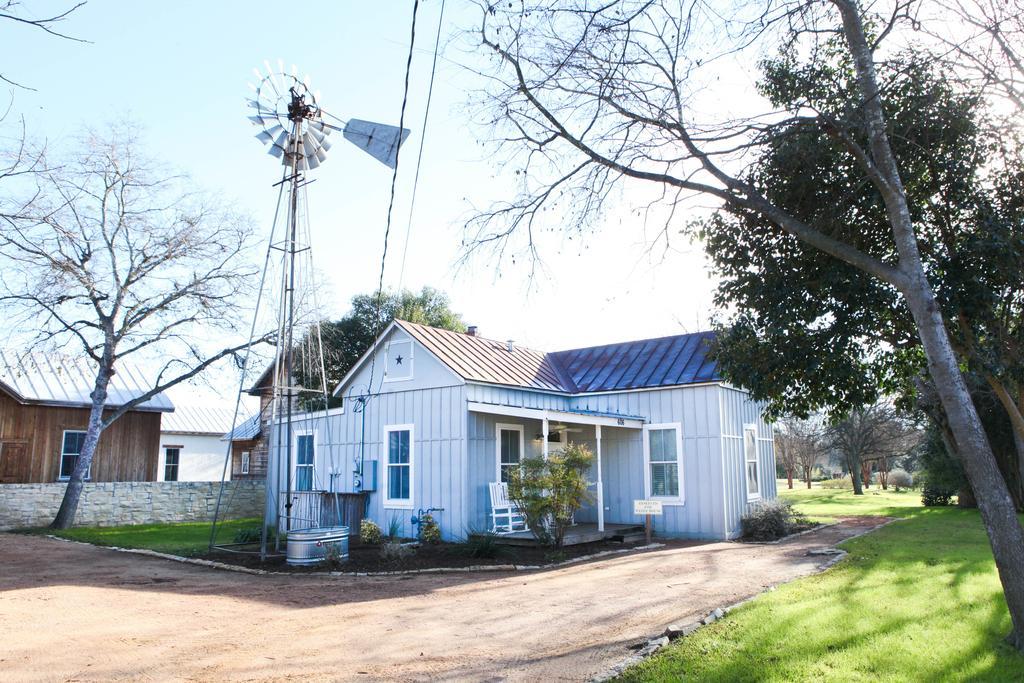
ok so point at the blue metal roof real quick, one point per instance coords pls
(647, 363)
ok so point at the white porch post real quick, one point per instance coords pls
(544, 431)
(600, 485)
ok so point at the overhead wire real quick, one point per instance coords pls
(378, 323)
(419, 155)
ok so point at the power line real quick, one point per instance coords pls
(419, 156)
(394, 180)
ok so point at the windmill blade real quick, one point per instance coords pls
(379, 140)
(264, 136)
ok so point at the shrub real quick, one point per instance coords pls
(395, 552)
(936, 495)
(549, 492)
(481, 545)
(248, 535)
(332, 557)
(900, 479)
(394, 527)
(843, 483)
(430, 532)
(369, 532)
(769, 520)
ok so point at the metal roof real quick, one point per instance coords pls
(198, 420)
(486, 360)
(647, 363)
(61, 381)
(249, 428)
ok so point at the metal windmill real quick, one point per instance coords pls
(297, 130)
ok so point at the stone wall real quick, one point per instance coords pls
(130, 502)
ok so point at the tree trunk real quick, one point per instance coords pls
(789, 477)
(865, 474)
(853, 464)
(69, 505)
(807, 476)
(1006, 536)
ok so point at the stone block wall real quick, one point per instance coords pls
(130, 502)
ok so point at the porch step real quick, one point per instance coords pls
(633, 537)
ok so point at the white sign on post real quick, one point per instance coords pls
(646, 507)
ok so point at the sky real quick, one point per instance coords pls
(180, 70)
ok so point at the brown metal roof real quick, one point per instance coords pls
(646, 363)
(486, 360)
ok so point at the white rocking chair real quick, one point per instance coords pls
(506, 517)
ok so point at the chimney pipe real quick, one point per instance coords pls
(508, 345)
(471, 330)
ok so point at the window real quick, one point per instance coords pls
(304, 462)
(171, 458)
(663, 459)
(399, 361)
(750, 454)
(245, 462)
(398, 442)
(71, 448)
(510, 449)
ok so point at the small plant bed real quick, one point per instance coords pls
(773, 520)
(425, 556)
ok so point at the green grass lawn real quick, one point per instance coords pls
(918, 600)
(824, 505)
(187, 538)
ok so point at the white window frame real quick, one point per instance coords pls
(177, 472)
(751, 427)
(498, 428)
(246, 458)
(387, 355)
(60, 463)
(666, 500)
(295, 464)
(404, 503)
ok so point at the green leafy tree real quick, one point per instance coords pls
(549, 492)
(347, 339)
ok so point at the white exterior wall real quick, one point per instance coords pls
(201, 457)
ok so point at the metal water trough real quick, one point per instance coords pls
(309, 546)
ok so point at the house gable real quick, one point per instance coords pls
(396, 362)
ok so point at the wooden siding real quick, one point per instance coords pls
(33, 436)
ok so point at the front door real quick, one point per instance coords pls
(13, 464)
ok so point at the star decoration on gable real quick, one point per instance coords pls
(398, 360)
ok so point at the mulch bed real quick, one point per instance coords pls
(368, 558)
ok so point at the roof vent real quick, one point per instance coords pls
(471, 330)
(508, 345)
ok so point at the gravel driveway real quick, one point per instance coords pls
(71, 611)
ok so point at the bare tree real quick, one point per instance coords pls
(593, 96)
(869, 437)
(11, 11)
(105, 255)
(802, 445)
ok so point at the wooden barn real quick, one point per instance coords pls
(44, 411)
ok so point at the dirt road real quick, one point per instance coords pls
(71, 611)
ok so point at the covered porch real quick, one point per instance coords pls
(588, 424)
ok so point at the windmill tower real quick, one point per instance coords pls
(297, 130)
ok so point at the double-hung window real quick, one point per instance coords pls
(172, 456)
(510, 449)
(71, 448)
(399, 456)
(245, 462)
(304, 462)
(663, 462)
(750, 455)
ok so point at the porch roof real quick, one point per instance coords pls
(587, 417)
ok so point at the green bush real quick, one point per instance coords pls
(769, 520)
(430, 532)
(481, 545)
(248, 535)
(934, 494)
(369, 532)
(843, 483)
(394, 527)
(549, 492)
